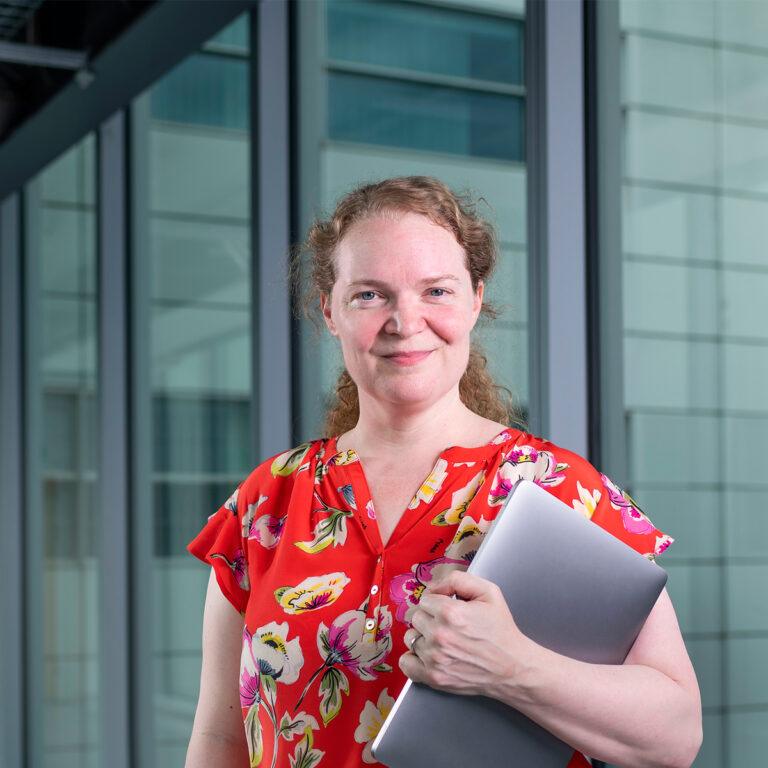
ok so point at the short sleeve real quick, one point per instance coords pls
(220, 544)
(617, 513)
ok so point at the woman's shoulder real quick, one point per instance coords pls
(282, 468)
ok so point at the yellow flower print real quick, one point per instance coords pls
(460, 501)
(431, 485)
(287, 463)
(587, 502)
(371, 719)
(313, 593)
(469, 536)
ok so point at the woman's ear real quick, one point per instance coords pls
(325, 307)
(478, 305)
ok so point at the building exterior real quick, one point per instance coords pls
(149, 356)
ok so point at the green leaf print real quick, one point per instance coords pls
(253, 736)
(332, 684)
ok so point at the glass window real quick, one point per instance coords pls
(63, 562)
(434, 80)
(192, 251)
(393, 89)
(695, 273)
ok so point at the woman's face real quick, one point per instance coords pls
(403, 307)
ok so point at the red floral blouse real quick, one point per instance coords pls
(296, 549)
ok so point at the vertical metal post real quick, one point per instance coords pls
(270, 229)
(604, 251)
(556, 211)
(537, 177)
(12, 505)
(114, 677)
(140, 492)
(32, 473)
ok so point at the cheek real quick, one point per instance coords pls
(359, 331)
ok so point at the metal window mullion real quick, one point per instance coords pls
(609, 426)
(32, 474)
(12, 505)
(270, 229)
(557, 255)
(114, 624)
(141, 479)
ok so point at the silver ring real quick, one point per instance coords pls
(413, 642)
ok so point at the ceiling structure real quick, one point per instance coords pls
(45, 44)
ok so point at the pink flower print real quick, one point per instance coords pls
(633, 518)
(369, 509)
(267, 530)
(250, 674)
(249, 516)
(662, 542)
(237, 565)
(407, 588)
(524, 462)
(345, 645)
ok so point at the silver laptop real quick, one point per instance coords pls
(572, 587)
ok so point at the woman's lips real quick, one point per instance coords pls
(407, 358)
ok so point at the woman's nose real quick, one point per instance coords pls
(405, 320)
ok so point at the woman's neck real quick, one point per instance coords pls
(387, 432)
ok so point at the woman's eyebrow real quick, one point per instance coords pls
(383, 284)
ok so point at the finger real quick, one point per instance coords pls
(410, 637)
(465, 586)
(412, 666)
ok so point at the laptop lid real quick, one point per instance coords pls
(572, 587)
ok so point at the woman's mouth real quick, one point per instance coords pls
(408, 358)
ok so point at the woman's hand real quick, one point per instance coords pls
(465, 645)
(645, 713)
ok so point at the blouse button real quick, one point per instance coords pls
(374, 589)
(370, 624)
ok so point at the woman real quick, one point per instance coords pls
(343, 559)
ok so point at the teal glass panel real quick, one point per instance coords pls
(418, 39)
(424, 117)
(207, 90)
(62, 392)
(695, 207)
(193, 254)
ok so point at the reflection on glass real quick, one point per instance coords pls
(61, 254)
(197, 265)
(696, 336)
(405, 89)
(424, 117)
(416, 39)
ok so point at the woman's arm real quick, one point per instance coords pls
(645, 713)
(218, 737)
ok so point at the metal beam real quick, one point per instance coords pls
(557, 213)
(115, 584)
(42, 56)
(159, 39)
(12, 507)
(270, 232)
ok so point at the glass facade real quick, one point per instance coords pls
(381, 89)
(395, 89)
(695, 144)
(192, 272)
(63, 522)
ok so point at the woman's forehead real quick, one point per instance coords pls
(395, 243)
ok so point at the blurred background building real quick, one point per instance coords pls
(156, 161)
